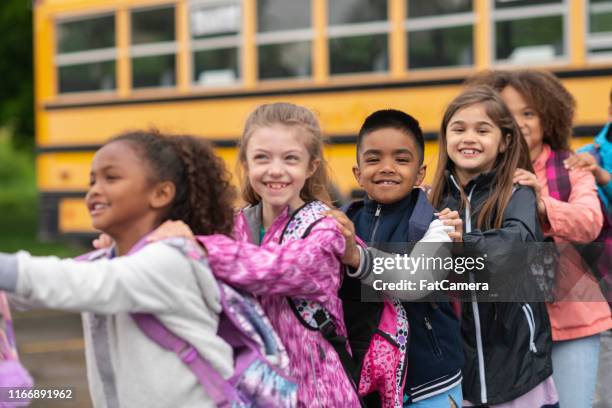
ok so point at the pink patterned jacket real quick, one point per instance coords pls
(306, 268)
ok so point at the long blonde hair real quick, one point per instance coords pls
(516, 154)
(301, 119)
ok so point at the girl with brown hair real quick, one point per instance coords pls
(569, 211)
(480, 148)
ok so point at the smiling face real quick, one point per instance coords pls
(473, 142)
(527, 118)
(389, 165)
(120, 192)
(277, 166)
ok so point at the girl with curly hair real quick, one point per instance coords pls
(137, 181)
(569, 211)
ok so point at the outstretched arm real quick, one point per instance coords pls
(156, 279)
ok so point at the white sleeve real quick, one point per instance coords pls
(425, 248)
(437, 232)
(153, 280)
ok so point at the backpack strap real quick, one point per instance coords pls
(557, 176)
(422, 216)
(221, 392)
(559, 187)
(217, 388)
(312, 315)
(315, 317)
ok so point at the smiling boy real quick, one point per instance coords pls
(390, 150)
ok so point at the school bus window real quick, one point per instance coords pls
(531, 33)
(153, 48)
(283, 15)
(358, 36)
(215, 42)
(86, 54)
(503, 4)
(440, 33)
(428, 8)
(284, 39)
(599, 35)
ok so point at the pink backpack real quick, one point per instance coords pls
(13, 376)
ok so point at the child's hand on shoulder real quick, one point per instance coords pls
(452, 219)
(102, 242)
(586, 161)
(171, 229)
(527, 178)
(427, 188)
(351, 255)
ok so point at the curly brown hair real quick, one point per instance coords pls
(317, 186)
(544, 93)
(204, 195)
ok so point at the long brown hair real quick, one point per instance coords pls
(515, 155)
(544, 93)
(303, 121)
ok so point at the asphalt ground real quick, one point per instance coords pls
(50, 346)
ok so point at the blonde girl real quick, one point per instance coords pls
(285, 251)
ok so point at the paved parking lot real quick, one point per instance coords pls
(51, 347)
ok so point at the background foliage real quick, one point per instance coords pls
(16, 72)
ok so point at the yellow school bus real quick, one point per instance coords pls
(200, 66)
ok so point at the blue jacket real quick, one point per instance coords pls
(604, 157)
(435, 351)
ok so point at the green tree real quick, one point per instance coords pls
(16, 72)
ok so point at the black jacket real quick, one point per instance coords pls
(435, 355)
(515, 338)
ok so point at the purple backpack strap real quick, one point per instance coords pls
(221, 392)
(557, 176)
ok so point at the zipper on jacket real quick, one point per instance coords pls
(479, 347)
(531, 323)
(376, 220)
(432, 337)
(475, 312)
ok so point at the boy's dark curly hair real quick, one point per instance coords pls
(543, 92)
(204, 195)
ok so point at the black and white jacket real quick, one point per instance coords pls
(507, 346)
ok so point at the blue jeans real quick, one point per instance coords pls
(440, 400)
(575, 370)
(603, 396)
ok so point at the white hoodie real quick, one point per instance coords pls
(125, 368)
